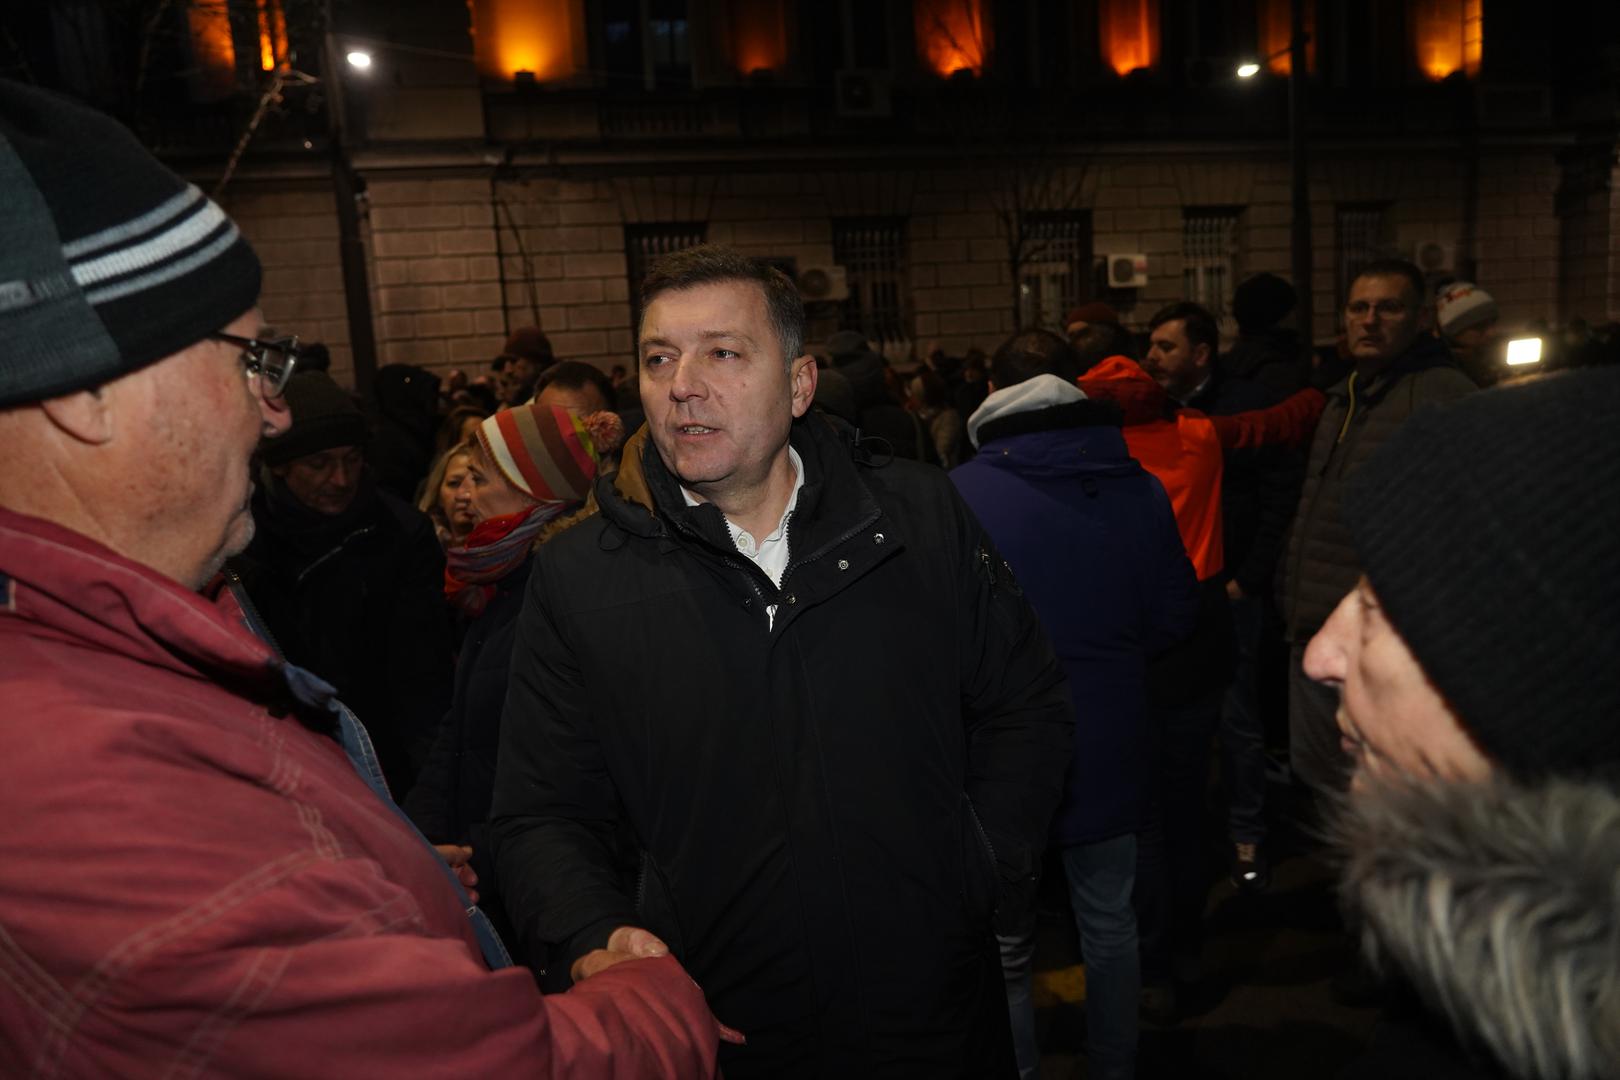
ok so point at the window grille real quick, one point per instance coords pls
(645, 244)
(873, 254)
(1209, 256)
(1359, 231)
(1057, 272)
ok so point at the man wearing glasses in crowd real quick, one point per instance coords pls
(1399, 367)
(203, 873)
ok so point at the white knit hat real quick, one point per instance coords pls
(1463, 305)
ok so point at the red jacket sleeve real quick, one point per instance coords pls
(1288, 423)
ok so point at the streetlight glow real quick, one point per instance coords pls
(1248, 70)
(359, 58)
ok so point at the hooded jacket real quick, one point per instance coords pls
(1091, 537)
(200, 883)
(826, 808)
(1499, 904)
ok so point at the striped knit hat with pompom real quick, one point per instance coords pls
(547, 452)
(108, 261)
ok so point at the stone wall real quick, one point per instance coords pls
(456, 260)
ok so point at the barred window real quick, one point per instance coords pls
(873, 254)
(644, 244)
(1359, 231)
(1057, 271)
(1209, 256)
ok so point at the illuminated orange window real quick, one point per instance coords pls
(525, 35)
(1129, 32)
(758, 36)
(272, 34)
(1448, 36)
(1276, 30)
(211, 45)
(951, 35)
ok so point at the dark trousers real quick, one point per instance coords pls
(1172, 876)
(1243, 730)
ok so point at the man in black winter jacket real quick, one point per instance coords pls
(350, 580)
(806, 689)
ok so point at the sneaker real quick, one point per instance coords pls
(1250, 870)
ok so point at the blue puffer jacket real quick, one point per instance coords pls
(1091, 538)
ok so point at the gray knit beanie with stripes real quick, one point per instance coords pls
(108, 261)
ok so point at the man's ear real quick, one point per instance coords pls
(1203, 355)
(85, 415)
(1426, 320)
(802, 376)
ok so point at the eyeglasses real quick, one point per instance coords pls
(271, 362)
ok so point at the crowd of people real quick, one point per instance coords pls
(723, 712)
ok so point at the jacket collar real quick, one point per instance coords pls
(1424, 353)
(1499, 901)
(1073, 416)
(644, 499)
(74, 587)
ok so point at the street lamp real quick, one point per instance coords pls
(1301, 194)
(358, 59)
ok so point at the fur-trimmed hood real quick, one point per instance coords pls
(1500, 903)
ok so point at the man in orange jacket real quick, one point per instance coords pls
(1183, 448)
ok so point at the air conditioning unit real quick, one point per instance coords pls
(820, 284)
(1127, 271)
(863, 93)
(1434, 256)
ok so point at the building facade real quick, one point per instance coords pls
(936, 173)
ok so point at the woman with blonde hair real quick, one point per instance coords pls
(446, 495)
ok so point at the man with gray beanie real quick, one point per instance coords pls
(1478, 690)
(202, 873)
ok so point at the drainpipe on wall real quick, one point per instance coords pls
(346, 188)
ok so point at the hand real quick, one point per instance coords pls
(634, 943)
(625, 943)
(1234, 590)
(458, 858)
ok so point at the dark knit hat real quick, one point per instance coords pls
(323, 416)
(530, 343)
(1490, 530)
(1261, 302)
(108, 261)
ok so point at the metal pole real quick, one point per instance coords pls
(351, 252)
(1297, 79)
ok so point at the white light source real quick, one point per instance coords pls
(1525, 350)
(1248, 71)
(358, 58)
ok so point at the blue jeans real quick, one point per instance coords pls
(1242, 732)
(1100, 879)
